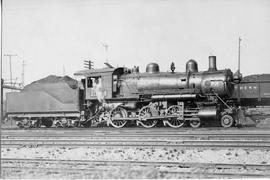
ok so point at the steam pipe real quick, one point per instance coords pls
(178, 96)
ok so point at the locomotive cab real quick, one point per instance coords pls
(101, 84)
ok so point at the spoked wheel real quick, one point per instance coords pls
(116, 113)
(179, 120)
(195, 123)
(227, 121)
(64, 122)
(37, 124)
(47, 122)
(26, 123)
(145, 113)
(76, 123)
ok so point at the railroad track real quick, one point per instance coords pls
(155, 138)
(137, 143)
(144, 136)
(136, 138)
(134, 133)
(194, 169)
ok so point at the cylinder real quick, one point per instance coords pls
(207, 112)
(191, 66)
(212, 63)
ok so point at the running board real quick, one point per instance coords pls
(145, 119)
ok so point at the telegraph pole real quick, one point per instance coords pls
(1, 86)
(88, 64)
(238, 86)
(10, 66)
(106, 46)
(23, 65)
(239, 48)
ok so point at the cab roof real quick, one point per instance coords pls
(94, 72)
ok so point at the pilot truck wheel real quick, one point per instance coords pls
(227, 121)
(195, 123)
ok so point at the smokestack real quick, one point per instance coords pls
(212, 63)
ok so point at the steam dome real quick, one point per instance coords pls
(192, 66)
(152, 68)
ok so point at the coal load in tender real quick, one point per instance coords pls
(51, 94)
(53, 79)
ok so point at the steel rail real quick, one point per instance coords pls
(141, 130)
(27, 134)
(135, 141)
(140, 138)
(154, 163)
(181, 173)
(144, 143)
(226, 166)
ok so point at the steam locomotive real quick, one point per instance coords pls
(121, 96)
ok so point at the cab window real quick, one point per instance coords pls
(89, 82)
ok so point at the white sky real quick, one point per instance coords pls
(51, 34)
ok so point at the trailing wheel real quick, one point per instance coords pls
(87, 124)
(76, 123)
(227, 121)
(195, 123)
(144, 114)
(89, 113)
(117, 117)
(179, 120)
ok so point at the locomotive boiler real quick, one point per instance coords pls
(121, 95)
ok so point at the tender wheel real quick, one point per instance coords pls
(26, 123)
(37, 124)
(145, 113)
(47, 123)
(195, 123)
(20, 124)
(227, 121)
(76, 123)
(115, 113)
(178, 121)
(65, 122)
